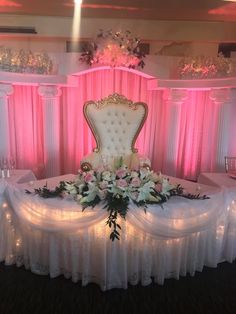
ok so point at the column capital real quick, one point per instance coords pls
(220, 95)
(49, 91)
(5, 90)
(177, 96)
(232, 95)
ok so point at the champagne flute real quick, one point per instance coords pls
(4, 165)
(12, 163)
(2, 169)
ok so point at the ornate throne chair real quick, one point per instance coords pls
(115, 123)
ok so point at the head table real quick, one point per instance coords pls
(54, 236)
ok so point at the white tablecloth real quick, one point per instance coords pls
(222, 181)
(54, 237)
(19, 176)
(217, 179)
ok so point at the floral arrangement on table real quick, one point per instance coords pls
(114, 49)
(22, 61)
(201, 67)
(116, 190)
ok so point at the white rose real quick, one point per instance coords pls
(106, 175)
(134, 174)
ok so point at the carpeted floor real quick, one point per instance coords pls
(209, 292)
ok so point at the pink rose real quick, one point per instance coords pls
(121, 183)
(88, 177)
(136, 182)
(121, 173)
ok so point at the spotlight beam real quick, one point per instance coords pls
(76, 23)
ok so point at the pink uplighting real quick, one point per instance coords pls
(9, 3)
(227, 9)
(181, 138)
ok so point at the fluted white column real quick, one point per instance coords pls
(222, 99)
(175, 98)
(5, 91)
(50, 96)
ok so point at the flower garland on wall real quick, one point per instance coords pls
(114, 49)
(24, 61)
(203, 67)
(116, 190)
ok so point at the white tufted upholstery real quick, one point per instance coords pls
(115, 122)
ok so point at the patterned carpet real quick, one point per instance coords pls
(209, 292)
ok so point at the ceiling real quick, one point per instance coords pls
(196, 10)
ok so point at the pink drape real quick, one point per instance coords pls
(182, 140)
(26, 128)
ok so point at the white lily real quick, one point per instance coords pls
(144, 173)
(152, 198)
(145, 190)
(92, 192)
(70, 187)
(166, 187)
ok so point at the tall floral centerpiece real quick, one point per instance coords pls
(114, 49)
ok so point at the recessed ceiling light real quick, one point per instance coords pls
(78, 1)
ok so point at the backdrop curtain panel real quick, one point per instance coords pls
(181, 139)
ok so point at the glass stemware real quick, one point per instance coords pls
(4, 167)
(5, 163)
(12, 164)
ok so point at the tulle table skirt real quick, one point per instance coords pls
(55, 237)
